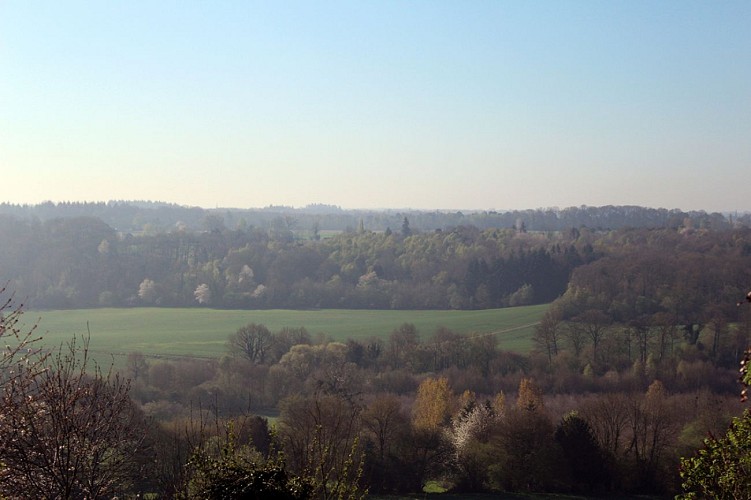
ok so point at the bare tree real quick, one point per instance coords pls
(667, 334)
(640, 329)
(402, 342)
(383, 420)
(253, 341)
(718, 324)
(68, 431)
(287, 337)
(608, 416)
(319, 435)
(576, 338)
(21, 357)
(547, 334)
(653, 429)
(594, 324)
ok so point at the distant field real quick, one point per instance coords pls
(204, 332)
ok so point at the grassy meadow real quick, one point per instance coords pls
(202, 332)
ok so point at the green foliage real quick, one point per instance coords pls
(241, 473)
(81, 262)
(745, 378)
(340, 484)
(722, 468)
(584, 457)
(469, 262)
(232, 476)
(434, 487)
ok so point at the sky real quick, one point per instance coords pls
(471, 105)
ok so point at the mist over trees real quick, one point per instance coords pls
(219, 259)
(148, 216)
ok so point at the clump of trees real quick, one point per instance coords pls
(384, 416)
(390, 414)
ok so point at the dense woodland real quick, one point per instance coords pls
(635, 363)
(82, 261)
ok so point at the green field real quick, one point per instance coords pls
(204, 332)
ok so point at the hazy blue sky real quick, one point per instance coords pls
(421, 104)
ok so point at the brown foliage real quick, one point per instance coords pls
(68, 432)
(433, 404)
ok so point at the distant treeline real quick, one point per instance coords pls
(138, 216)
(83, 261)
